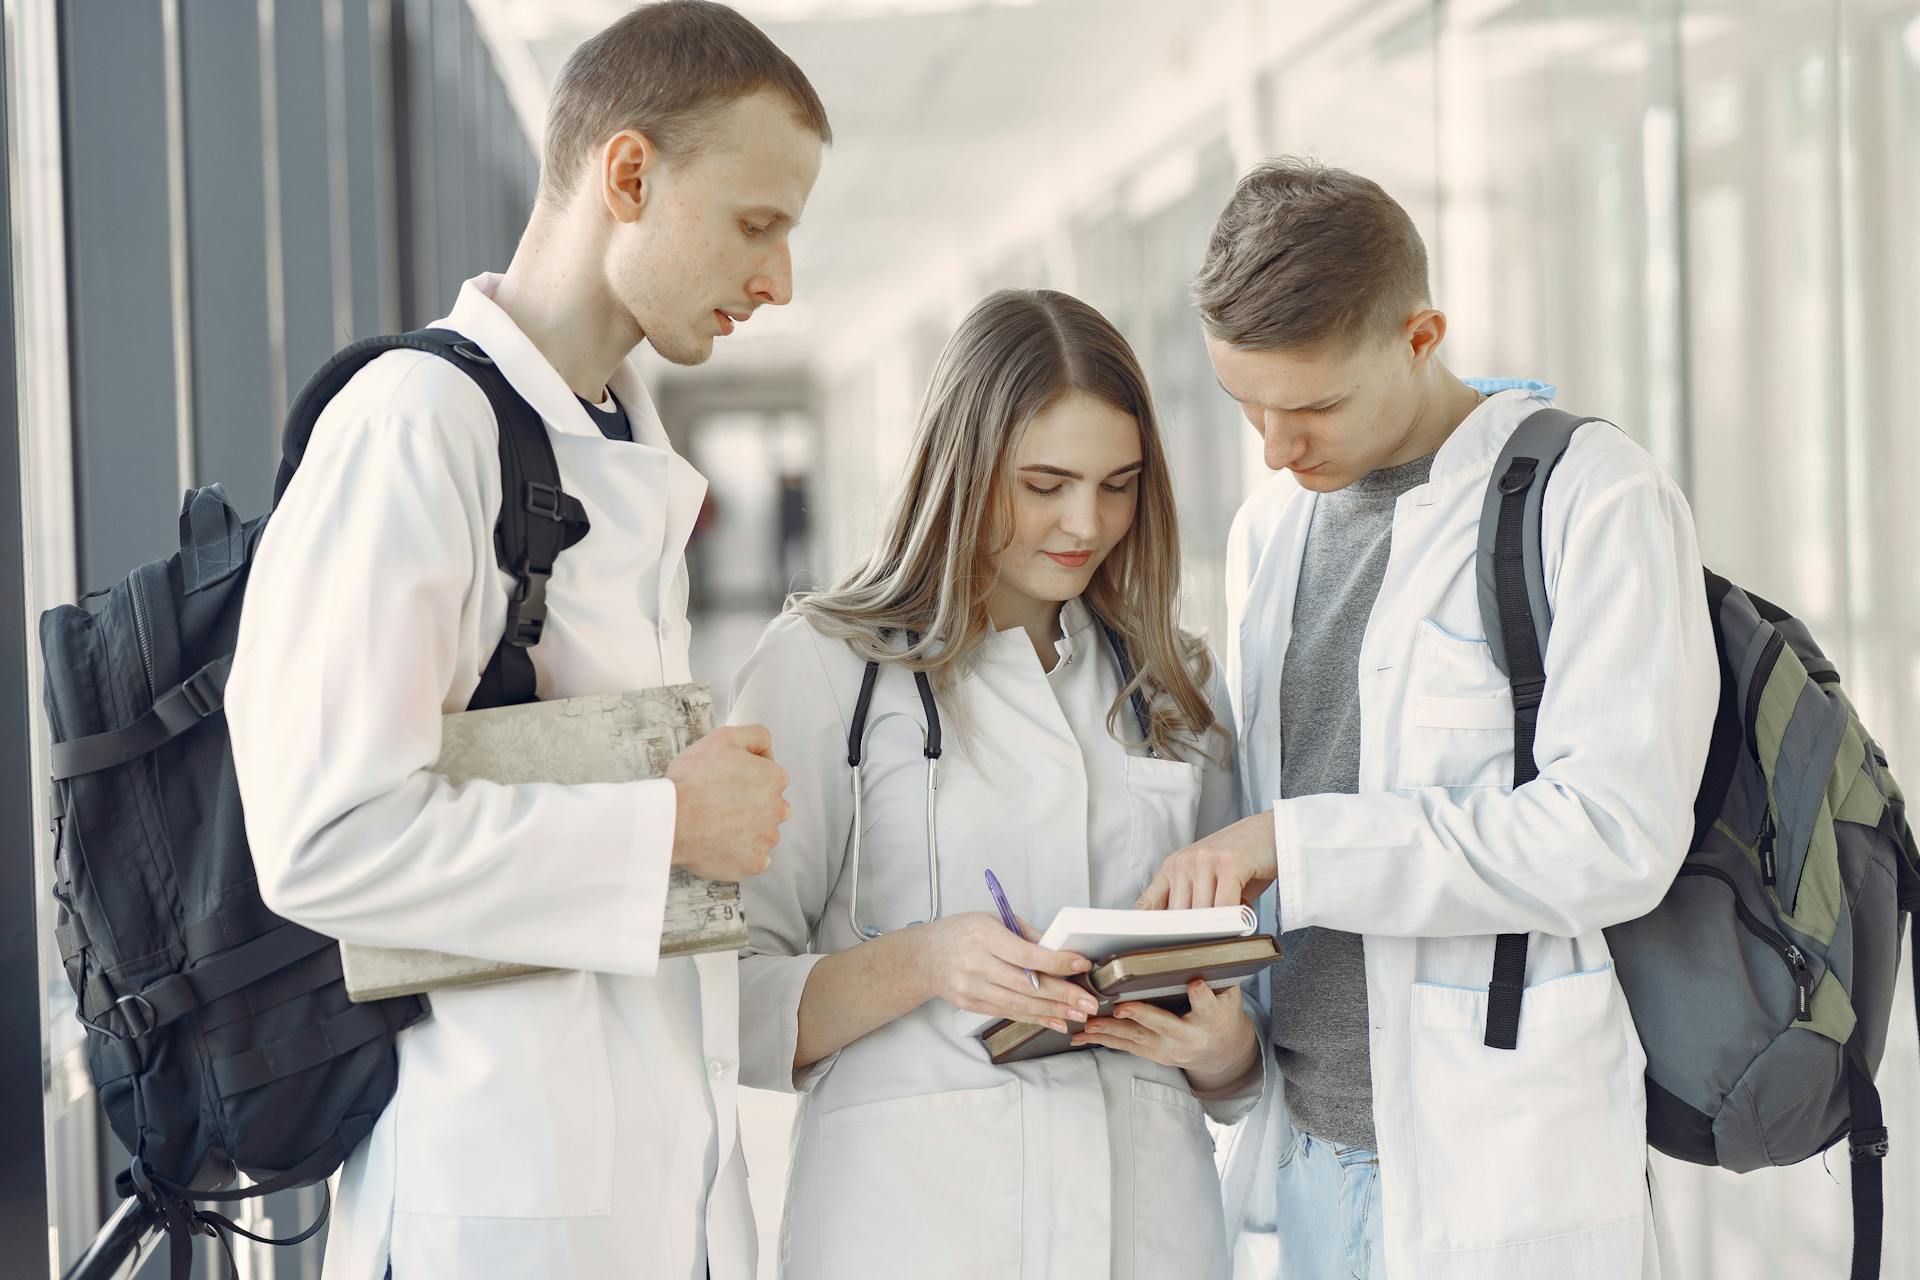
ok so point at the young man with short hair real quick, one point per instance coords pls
(581, 1123)
(1377, 753)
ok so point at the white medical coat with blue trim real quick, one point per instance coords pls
(1494, 1164)
(913, 1155)
(578, 1124)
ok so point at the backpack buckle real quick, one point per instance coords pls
(139, 1024)
(1519, 475)
(202, 693)
(544, 500)
(1868, 1144)
(527, 617)
(1527, 692)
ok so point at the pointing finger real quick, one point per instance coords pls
(1202, 888)
(1180, 893)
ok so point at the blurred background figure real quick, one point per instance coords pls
(1700, 217)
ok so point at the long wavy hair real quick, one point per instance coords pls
(932, 571)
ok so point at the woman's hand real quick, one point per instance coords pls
(974, 962)
(1214, 1043)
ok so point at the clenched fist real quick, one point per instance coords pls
(730, 802)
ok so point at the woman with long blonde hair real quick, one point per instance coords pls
(1001, 687)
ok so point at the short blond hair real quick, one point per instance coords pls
(662, 70)
(1305, 254)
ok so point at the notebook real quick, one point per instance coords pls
(1158, 975)
(1101, 933)
(609, 737)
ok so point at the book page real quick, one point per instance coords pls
(1100, 933)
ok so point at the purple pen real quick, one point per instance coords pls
(1007, 917)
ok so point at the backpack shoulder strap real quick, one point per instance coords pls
(1516, 615)
(1515, 494)
(538, 520)
(330, 378)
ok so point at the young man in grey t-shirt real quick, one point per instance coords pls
(1376, 755)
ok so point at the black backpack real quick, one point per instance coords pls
(1762, 985)
(219, 1035)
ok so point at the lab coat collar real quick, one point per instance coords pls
(1075, 620)
(480, 318)
(1483, 433)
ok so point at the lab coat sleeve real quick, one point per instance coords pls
(1597, 838)
(366, 587)
(786, 687)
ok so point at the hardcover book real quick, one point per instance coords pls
(609, 737)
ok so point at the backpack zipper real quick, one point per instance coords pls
(1762, 672)
(1768, 868)
(1795, 959)
(138, 596)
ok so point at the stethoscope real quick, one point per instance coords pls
(857, 742)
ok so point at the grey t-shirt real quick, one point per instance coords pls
(1320, 984)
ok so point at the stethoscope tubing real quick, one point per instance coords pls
(860, 733)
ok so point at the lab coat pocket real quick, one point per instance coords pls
(928, 1185)
(1457, 724)
(1177, 1220)
(1547, 1139)
(1163, 803)
(505, 1103)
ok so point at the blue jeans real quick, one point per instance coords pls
(1329, 1211)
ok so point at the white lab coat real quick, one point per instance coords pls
(913, 1155)
(580, 1124)
(1494, 1164)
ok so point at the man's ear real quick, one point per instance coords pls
(1423, 333)
(628, 165)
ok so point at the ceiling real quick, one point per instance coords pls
(943, 111)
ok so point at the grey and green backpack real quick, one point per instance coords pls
(1763, 983)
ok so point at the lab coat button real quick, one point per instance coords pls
(719, 1067)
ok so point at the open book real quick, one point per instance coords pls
(1100, 934)
(609, 737)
